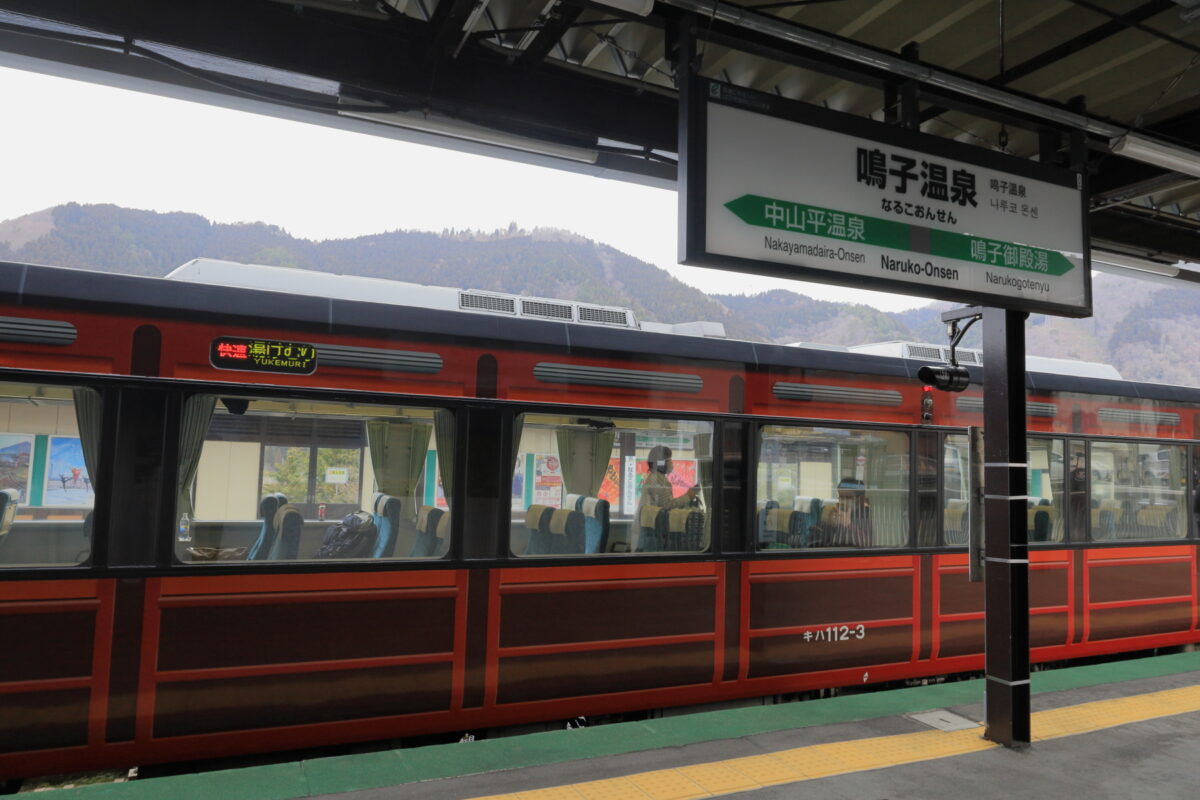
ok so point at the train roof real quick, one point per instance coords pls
(58, 287)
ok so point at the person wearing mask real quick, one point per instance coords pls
(656, 488)
(849, 523)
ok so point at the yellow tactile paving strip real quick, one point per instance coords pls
(836, 758)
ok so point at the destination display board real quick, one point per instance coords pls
(263, 355)
(777, 187)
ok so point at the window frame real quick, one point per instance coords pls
(751, 517)
(1190, 476)
(452, 405)
(107, 388)
(513, 409)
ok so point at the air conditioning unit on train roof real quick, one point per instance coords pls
(312, 283)
(967, 356)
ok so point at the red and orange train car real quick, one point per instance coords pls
(570, 519)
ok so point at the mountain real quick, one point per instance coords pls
(547, 263)
(1143, 329)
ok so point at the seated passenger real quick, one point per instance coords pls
(656, 488)
(847, 524)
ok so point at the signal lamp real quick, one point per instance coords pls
(927, 404)
(946, 377)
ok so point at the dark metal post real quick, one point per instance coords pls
(1006, 551)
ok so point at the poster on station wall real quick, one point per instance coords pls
(67, 479)
(610, 487)
(547, 481)
(793, 190)
(16, 455)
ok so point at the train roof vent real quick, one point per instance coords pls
(36, 331)
(923, 351)
(582, 375)
(974, 405)
(966, 356)
(1135, 417)
(604, 316)
(822, 393)
(545, 309)
(479, 301)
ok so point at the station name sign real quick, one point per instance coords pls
(263, 355)
(777, 187)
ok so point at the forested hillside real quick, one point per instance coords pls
(1144, 329)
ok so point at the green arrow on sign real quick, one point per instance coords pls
(788, 217)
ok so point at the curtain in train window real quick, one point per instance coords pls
(269, 480)
(49, 473)
(1138, 491)
(832, 487)
(587, 485)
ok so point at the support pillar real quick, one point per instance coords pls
(1006, 545)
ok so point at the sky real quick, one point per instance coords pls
(80, 142)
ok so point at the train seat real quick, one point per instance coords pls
(955, 521)
(765, 536)
(1038, 524)
(537, 520)
(289, 524)
(441, 538)
(386, 512)
(652, 529)
(778, 528)
(267, 507)
(679, 532)
(572, 502)
(1105, 516)
(595, 524)
(8, 512)
(566, 531)
(1157, 521)
(425, 545)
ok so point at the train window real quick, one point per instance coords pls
(832, 487)
(1138, 491)
(1044, 476)
(49, 452)
(1077, 487)
(586, 485)
(956, 476)
(299, 480)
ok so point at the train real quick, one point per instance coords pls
(559, 511)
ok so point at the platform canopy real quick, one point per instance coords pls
(592, 87)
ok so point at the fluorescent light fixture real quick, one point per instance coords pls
(640, 7)
(1158, 153)
(1130, 266)
(445, 126)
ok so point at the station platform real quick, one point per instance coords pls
(1118, 729)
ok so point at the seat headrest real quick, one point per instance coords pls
(8, 509)
(571, 502)
(647, 516)
(443, 526)
(283, 513)
(678, 519)
(779, 519)
(386, 504)
(564, 521)
(590, 506)
(424, 514)
(533, 516)
(270, 504)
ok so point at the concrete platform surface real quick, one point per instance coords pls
(1111, 730)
